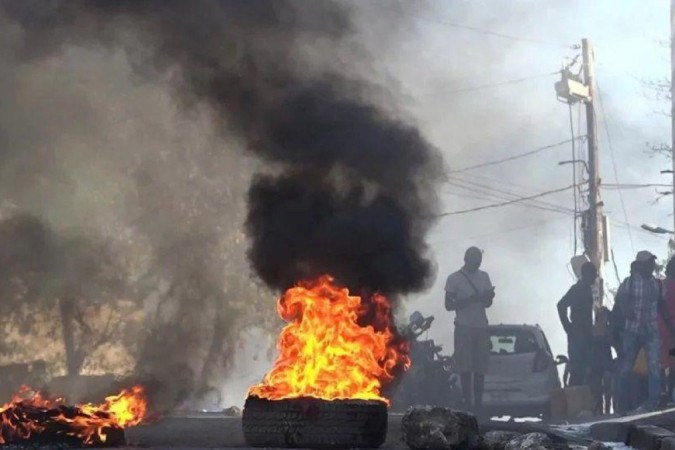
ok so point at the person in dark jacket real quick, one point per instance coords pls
(579, 324)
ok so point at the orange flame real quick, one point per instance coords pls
(30, 413)
(325, 352)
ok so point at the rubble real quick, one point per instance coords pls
(531, 441)
(232, 411)
(427, 427)
(497, 440)
(597, 445)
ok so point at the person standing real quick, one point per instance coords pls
(667, 360)
(579, 325)
(601, 365)
(469, 292)
(641, 297)
(617, 316)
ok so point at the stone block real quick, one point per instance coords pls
(434, 427)
(648, 437)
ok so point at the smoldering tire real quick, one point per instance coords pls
(314, 423)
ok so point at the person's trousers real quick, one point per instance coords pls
(579, 352)
(632, 343)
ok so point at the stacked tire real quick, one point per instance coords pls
(314, 423)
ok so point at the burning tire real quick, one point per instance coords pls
(314, 423)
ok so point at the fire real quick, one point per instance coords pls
(335, 346)
(31, 415)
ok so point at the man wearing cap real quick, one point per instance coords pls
(469, 292)
(641, 299)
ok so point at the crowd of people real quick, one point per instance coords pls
(629, 363)
(625, 354)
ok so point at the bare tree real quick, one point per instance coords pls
(45, 270)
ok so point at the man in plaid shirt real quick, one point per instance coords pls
(641, 299)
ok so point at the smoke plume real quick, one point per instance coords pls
(353, 185)
(345, 186)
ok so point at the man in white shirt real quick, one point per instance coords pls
(469, 293)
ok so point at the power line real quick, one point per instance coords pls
(616, 172)
(574, 182)
(510, 202)
(471, 196)
(518, 156)
(485, 32)
(580, 173)
(484, 178)
(492, 85)
(503, 194)
(497, 233)
(634, 186)
(555, 209)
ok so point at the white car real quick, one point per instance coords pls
(522, 373)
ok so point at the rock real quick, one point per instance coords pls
(531, 441)
(648, 436)
(232, 411)
(478, 443)
(434, 427)
(597, 445)
(497, 440)
(610, 431)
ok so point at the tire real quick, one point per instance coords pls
(314, 423)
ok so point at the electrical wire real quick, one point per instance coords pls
(638, 229)
(497, 233)
(515, 157)
(574, 182)
(502, 182)
(503, 194)
(634, 186)
(616, 269)
(507, 203)
(485, 32)
(492, 85)
(582, 199)
(522, 203)
(616, 172)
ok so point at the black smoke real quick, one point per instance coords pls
(352, 200)
(351, 192)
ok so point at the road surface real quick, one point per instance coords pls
(217, 431)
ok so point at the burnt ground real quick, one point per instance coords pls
(217, 431)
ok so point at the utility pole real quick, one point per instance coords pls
(572, 89)
(595, 224)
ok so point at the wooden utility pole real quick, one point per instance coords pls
(594, 239)
(572, 89)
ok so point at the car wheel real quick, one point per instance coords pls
(314, 423)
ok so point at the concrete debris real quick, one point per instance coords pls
(433, 427)
(232, 411)
(597, 445)
(497, 440)
(531, 441)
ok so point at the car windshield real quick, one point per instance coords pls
(512, 342)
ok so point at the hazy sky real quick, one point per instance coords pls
(527, 250)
